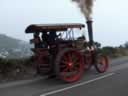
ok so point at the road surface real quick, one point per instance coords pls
(112, 83)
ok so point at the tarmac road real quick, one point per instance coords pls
(112, 83)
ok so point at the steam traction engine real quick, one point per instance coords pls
(58, 51)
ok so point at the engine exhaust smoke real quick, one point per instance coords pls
(86, 7)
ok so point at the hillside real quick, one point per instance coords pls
(8, 42)
(11, 47)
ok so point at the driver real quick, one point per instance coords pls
(37, 40)
(45, 39)
(52, 37)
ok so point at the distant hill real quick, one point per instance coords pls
(13, 48)
(8, 42)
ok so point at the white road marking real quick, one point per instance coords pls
(77, 85)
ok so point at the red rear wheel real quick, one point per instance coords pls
(101, 64)
(69, 65)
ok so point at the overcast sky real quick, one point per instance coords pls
(110, 17)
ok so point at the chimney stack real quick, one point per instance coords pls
(90, 31)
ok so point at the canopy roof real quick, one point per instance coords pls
(48, 27)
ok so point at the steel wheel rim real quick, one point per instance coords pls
(102, 64)
(72, 68)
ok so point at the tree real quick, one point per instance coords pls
(126, 45)
(98, 45)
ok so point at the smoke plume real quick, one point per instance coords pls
(86, 7)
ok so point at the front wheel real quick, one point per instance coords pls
(102, 63)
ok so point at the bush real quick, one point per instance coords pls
(16, 68)
(114, 52)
